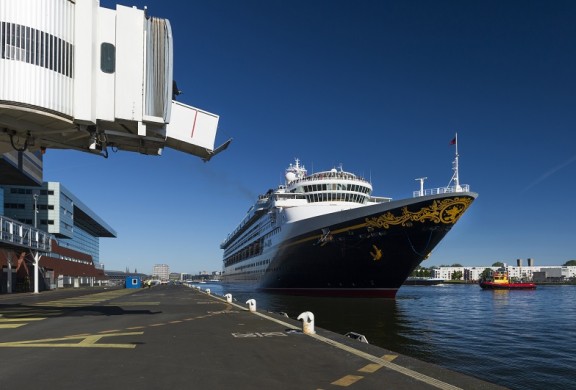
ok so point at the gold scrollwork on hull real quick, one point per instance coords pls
(446, 211)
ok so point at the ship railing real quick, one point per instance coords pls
(442, 190)
(330, 175)
(14, 233)
(379, 199)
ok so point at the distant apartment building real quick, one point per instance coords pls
(536, 273)
(161, 272)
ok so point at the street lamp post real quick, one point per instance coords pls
(36, 254)
(35, 210)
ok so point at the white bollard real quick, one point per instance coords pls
(228, 298)
(208, 291)
(251, 304)
(307, 322)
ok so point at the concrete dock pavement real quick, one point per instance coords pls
(168, 337)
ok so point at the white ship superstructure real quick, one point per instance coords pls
(302, 197)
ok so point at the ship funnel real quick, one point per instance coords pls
(307, 322)
(228, 298)
(519, 262)
(251, 304)
(530, 262)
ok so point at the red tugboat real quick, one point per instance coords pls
(500, 280)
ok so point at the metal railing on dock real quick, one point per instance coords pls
(17, 234)
(441, 190)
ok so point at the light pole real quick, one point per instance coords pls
(35, 210)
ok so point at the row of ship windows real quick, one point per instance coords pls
(256, 264)
(254, 249)
(253, 232)
(335, 197)
(336, 187)
(247, 236)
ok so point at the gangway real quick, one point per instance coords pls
(78, 76)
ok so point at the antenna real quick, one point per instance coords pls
(421, 179)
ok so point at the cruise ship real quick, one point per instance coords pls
(324, 234)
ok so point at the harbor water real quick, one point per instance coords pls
(518, 339)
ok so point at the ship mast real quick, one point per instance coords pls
(455, 176)
(421, 179)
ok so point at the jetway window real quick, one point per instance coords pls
(107, 57)
(26, 44)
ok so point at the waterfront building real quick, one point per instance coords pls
(161, 272)
(536, 273)
(185, 276)
(74, 230)
(118, 278)
(54, 209)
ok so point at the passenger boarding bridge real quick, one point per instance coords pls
(78, 76)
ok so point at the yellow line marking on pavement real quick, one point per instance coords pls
(370, 368)
(156, 324)
(175, 322)
(384, 362)
(373, 367)
(13, 323)
(110, 331)
(347, 380)
(89, 341)
(136, 327)
(20, 319)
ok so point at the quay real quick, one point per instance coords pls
(178, 337)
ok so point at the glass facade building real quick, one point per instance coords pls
(54, 209)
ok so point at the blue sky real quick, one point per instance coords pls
(378, 86)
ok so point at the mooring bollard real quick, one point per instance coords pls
(307, 322)
(251, 304)
(228, 298)
(208, 291)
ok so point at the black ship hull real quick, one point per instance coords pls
(370, 255)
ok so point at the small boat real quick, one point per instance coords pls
(500, 280)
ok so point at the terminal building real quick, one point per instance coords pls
(74, 231)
